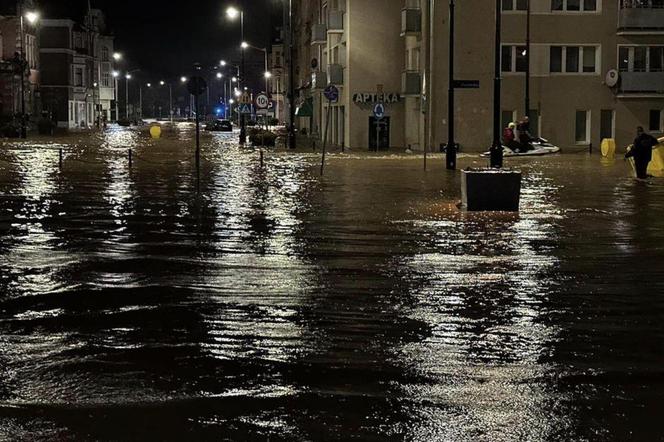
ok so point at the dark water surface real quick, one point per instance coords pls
(364, 305)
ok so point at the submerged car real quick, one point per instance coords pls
(219, 126)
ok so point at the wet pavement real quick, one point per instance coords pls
(279, 305)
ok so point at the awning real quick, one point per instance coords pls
(305, 109)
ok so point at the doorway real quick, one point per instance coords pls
(379, 133)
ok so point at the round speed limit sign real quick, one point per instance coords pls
(262, 101)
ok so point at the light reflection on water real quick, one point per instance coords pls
(279, 304)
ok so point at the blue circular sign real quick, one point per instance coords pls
(379, 110)
(331, 93)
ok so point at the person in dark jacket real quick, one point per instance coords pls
(642, 152)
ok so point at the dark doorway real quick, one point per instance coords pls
(379, 133)
(606, 124)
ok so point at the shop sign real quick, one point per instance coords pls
(371, 98)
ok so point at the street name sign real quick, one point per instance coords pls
(466, 84)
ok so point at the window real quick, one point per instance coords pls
(655, 119)
(556, 59)
(514, 59)
(577, 59)
(515, 5)
(582, 135)
(629, 4)
(572, 59)
(106, 79)
(78, 76)
(641, 58)
(104, 54)
(589, 55)
(574, 5)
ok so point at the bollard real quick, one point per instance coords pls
(314, 145)
(590, 148)
(60, 158)
(343, 146)
(131, 160)
(261, 158)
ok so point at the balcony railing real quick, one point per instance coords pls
(319, 34)
(641, 15)
(411, 83)
(335, 74)
(411, 22)
(335, 21)
(642, 82)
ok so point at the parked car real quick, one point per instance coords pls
(219, 126)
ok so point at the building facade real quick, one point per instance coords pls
(78, 87)
(596, 70)
(277, 80)
(19, 45)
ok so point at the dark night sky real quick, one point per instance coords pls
(165, 37)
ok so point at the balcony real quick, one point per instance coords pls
(319, 34)
(318, 79)
(642, 82)
(335, 21)
(411, 83)
(411, 22)
(641, 20)
(335, 73)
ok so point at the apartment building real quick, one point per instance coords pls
(77, 78)
(596, 70)
(18, 35)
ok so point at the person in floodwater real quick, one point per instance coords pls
(525, 138)
(509, 137)
(642, 152)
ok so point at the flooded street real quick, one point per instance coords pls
(276, 304)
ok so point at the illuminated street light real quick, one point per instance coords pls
(268, 74)
(183, 79)
(222, 62)
(116, 74)
(220, 75)
(162, 82)
(231, 101)
(244, 45)
(234, 79)
(32, 17)
(238, 93)
(232, 13)
(128, 76)
(149, 85)
(117, 56)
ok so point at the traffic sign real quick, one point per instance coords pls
(262, 101)
(466, 84)
(196, 86)
(244, 108)
(379, 110)
(331, 93)
(245, 98)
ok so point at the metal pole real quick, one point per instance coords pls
(451, 143)
(243, 126)
(497, 146)
(140, 102)
(292, 142)
(115, 92)
(170, 100)
(24, 132)
(327, 124)
(127, 98)
(198, 145)
(527, 104)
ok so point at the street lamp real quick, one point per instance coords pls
(127, 78)
(233, 13)
(183, 79)
(31, 17)
(246, 45)
(117, 56)
(170, 97)
(116, 75)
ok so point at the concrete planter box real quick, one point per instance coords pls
(491, 190)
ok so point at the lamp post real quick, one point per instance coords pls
(497, 146)
(527, 104)
(32, 18)
(291, 77)
(127, 78)
(234, 13)
(116, 57)
(451, 143)
(170, 98)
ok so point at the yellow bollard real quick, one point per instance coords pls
(608, 147)
(155, 131)
(656, 167)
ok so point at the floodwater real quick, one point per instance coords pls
(278, 305)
